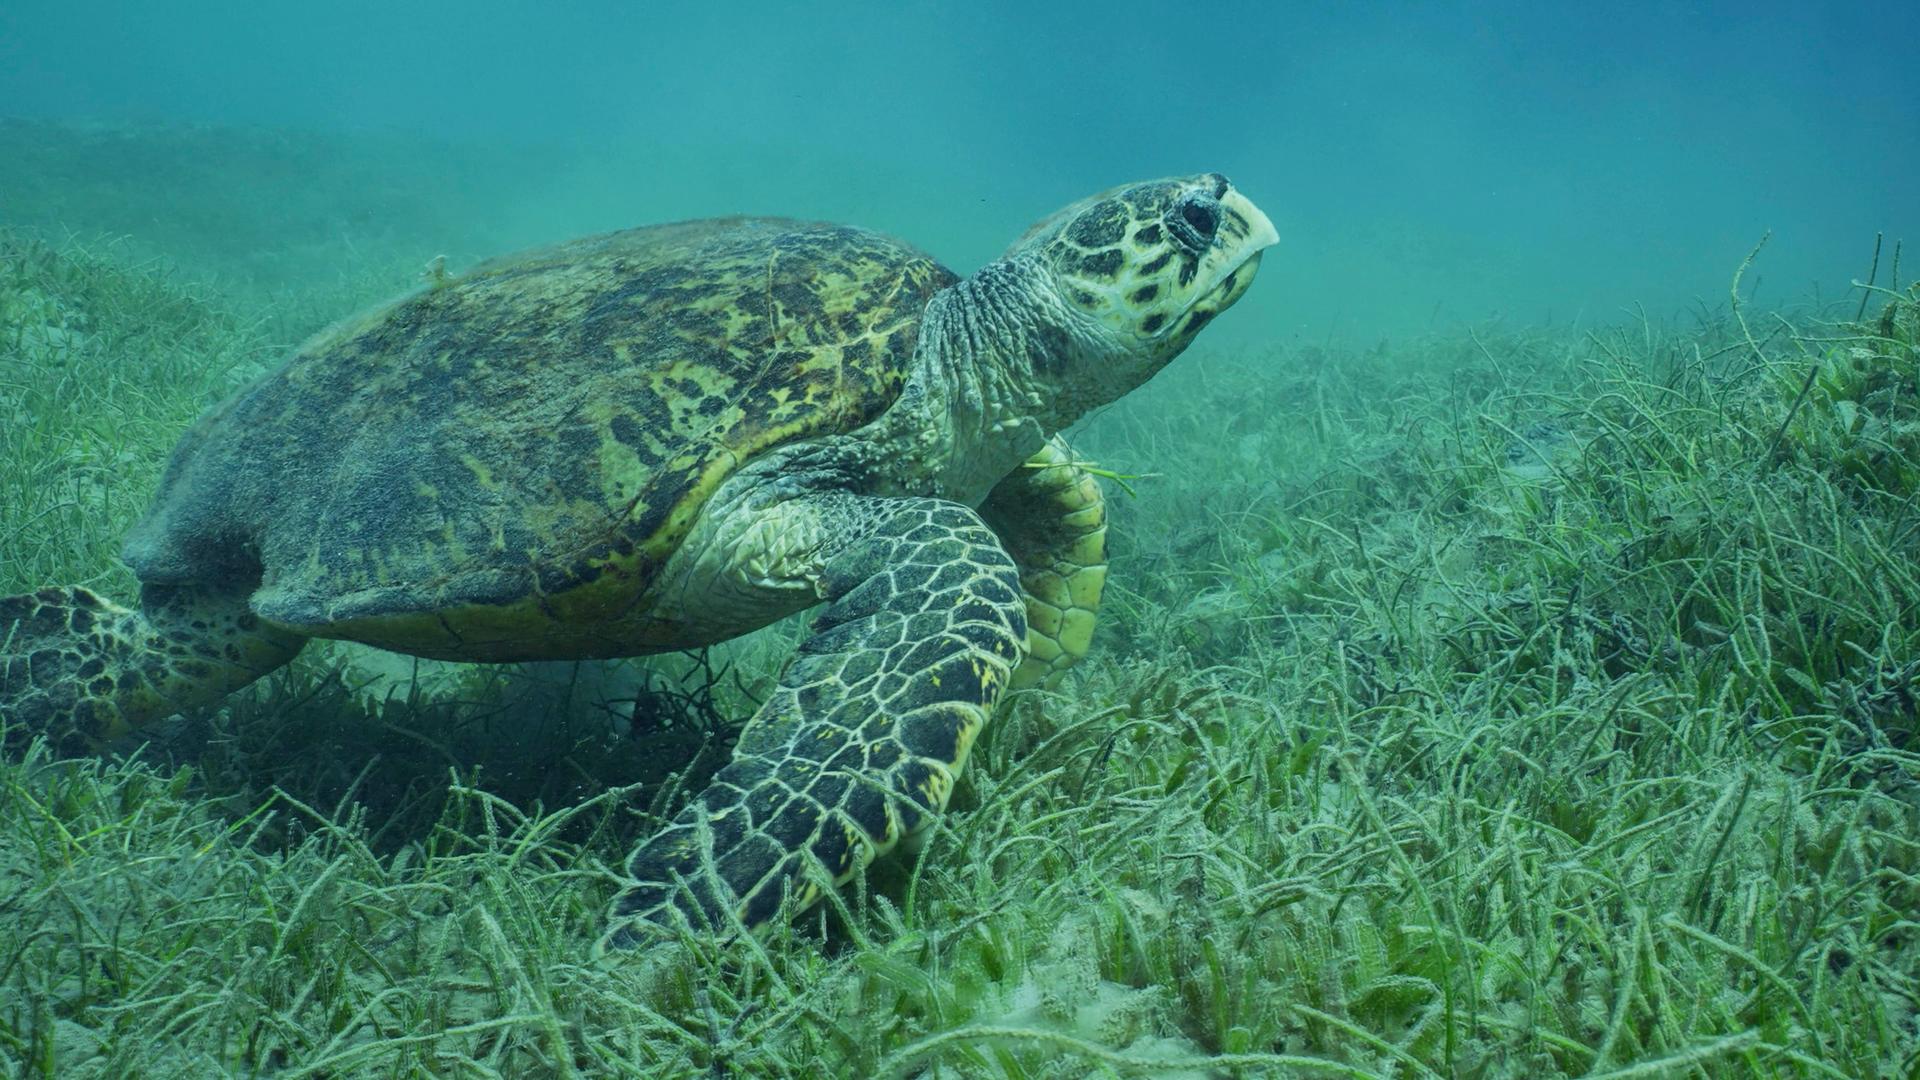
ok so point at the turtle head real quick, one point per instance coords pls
(1142, 268)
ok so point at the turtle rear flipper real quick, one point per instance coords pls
(82, 669)
(860, 743)
(1053, 518)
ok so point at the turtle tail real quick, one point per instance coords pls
(83, 670)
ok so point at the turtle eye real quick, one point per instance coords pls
(1203, 216)
(1196, 221)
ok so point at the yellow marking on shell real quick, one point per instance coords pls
(480, 471)
(765, 403)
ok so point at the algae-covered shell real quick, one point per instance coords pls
(527, 442)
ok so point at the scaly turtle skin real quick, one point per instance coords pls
(663, 438)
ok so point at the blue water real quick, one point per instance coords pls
(1426, 164)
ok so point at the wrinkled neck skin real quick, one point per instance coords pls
(1001, 365)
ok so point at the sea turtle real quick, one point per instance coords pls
(661, 438)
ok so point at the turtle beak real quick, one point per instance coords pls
(1255, 232)
(1244, 233)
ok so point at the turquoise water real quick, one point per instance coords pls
(1426, 164)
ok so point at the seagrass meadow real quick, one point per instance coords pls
(1504, 700)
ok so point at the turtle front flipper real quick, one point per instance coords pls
(74, 664)
(870, 724)
(1053, 518)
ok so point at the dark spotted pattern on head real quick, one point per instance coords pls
(1104, 225)
(518, 449)
(1104, 265)
(1146, 259)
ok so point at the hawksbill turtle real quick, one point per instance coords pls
(661, 438)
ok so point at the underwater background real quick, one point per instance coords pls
(1425, 163)
(1510, 661)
